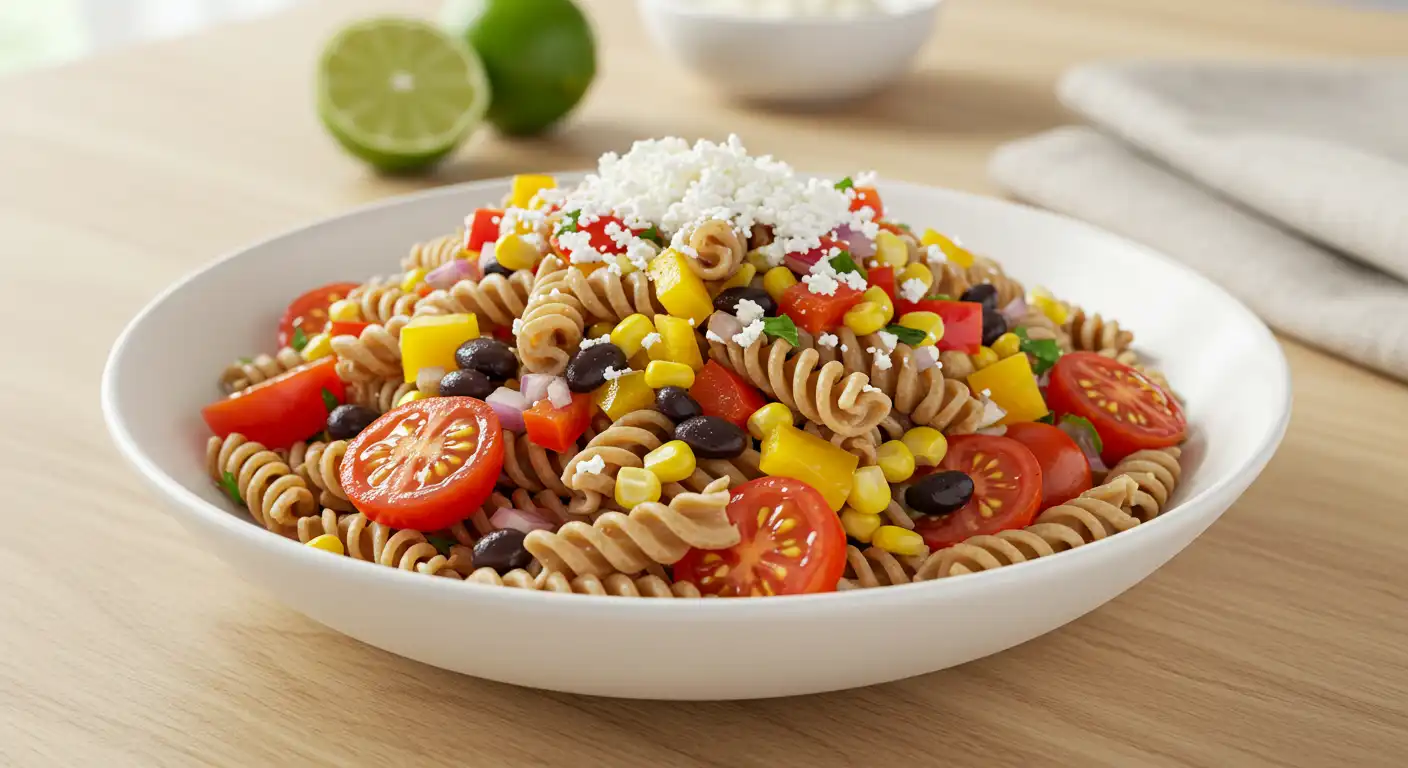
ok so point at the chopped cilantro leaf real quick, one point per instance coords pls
(329, 400)
(300, 339)
(231, 488)
(569, 222)
(911, 336)
(653, 235)
(1083, 424)
(845, 184)
(844, 263)
(246, 360)
(781, 327)
(1049, 418)
(442, 544)
(1044, 353)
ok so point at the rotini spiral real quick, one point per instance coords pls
(615, 585)
(274, 495)
(623, 444)
(496, 300)
(949, 279)
(720, 250)
(873, 567)
(1093, 333)
(376, 543)
(381, 299)
(606, 296)
(823, 393)
(531, 467)
(985, 270)
(245, 372)
(651, 533)
(864, 446)
(1039, 327)
(434, 253)
(760, 236)
(924, 396)
(373, 356)
(735, 471)
(319, 471)
(1156, 472)
(553, 322)
(956, 365)
(515, 579)
(380, 395)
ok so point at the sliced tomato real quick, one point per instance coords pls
(557, 429)
(868, 197)
(309, 313)
(792, 543)
(1006, 489)
(483, 229)
(425, 465)
(884, 279)
(346, 328)
(596, 232)
(1065, 472)
(723, 393)
(963, 321)
(1130, 412)
(279, 412)
(814, 312)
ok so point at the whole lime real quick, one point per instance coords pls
(540, 56)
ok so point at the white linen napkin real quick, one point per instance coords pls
(1278, 182)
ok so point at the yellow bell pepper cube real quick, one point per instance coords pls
(678, 342)
(526, 187)
(741, 278)
(430, 341)
(1012, 386)
(955, 253)
(629, 333)
(680, 291)
(618, 397)
(790, 452)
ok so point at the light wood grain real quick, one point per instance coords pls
(1276, 639)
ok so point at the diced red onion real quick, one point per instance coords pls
(534, 386)
(924, 358)
(801, 263)
(1014, 312)
(558, 393)
(997, 431)
(508, 518)
(1086, 440)
(445, 276)
(509, 406)
(486, 258)
(992, 413)
(428, 379)
(724, 325)
(860, 246)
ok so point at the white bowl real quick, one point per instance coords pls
(790, 60)
(1215, 352)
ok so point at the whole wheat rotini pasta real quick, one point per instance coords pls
(1093, 333)
(553, 322)
(735, 471)
(246, 372)
(373, 356)
(380, 395)
(1156, 472)
(606, 296)
(274, 496)
(616, 585)
(319, 471)
(985, 270)
(434, 253)
(496, 300)
(381, 299)
(924, 396)
(624, 444)
(533, 468)
(863, 446)
(719, 248)
(873, 567)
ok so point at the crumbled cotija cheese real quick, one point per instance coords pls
(711, 336)
(913, 289)
(578, 246)
(882, 358)
(827, 340)
(747, 311)
(749, 334)
(889, 340)
(517, 326)
(935, 255)
(592, 466)
(611, 374)
(650, 340)
(589, 343)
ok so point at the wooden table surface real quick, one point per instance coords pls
(1278, 638)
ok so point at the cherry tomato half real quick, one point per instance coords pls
(1006, 489)
(1130, 412)
(1065, 472)
(310, 311)
(280, 411)
(426, 465)
(792, 544)
(868, 197)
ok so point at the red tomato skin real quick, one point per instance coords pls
(1064, 396)
(1018, 464)
(280, 411)
(815, 313)
(963, 321)
(821, 566)
(868, 197)
(599, 239)
(1065, 472)
(484, 229)
(723, 393)
(318, 300)
(884, 279)
(557, 429)
(346, 328)
(420, 510)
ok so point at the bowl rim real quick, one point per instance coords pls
(692, 10)
(178, 496)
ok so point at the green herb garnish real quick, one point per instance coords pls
(329, 400)
(569, 223)
(1045, 352)
(904, 226)
(1049, 418)
(845, 184)
(246, 360)
(781, 327)
(844, 263)
(911, 336)
(653, 235)
(442, 544)
(1083, 423)
(300, 339)
(231, 488)
(937, 297)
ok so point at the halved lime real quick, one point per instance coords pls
(400, 93)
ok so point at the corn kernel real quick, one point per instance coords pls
(411, 397)
(672, 462)
(870, 492)
(317, 348)
(929, 322)
(513, 252)
(865, 318)
(412, 279)
(766, 419)
(344, 311)
(928, 445)
(895, 460)
(890, 249)
(328, 543)
(984, 357)
(859, 525)
(741, 278)
(877, 295)
(759, 260)
(597, 330)
(1054, 309)
(526, 187)
(777, 280)
(953, 252)
(916, 271)
(898, 541)
(636, 486)
(663, 373)
(629, 333)
(1007, 345)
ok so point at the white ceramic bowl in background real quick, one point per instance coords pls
(1220, 358)
(808, 59)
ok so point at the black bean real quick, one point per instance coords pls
(994, 325)
(502, 550)
(467, 384)
(711, 437)
(676, 404)
(490, 357)
(347, 421)
(981, 293)
(727, 301)
(940, 493)
(497, 269)
(587, 369)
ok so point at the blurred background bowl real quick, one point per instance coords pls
(793, 59)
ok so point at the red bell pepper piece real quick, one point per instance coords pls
(557, 429)
(484, 229)
(868, 197)
(346, 328)
(963, 321)
(723, 393)
(884, 279)
(814, 312)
